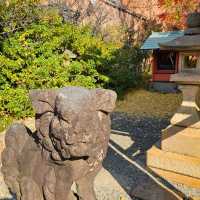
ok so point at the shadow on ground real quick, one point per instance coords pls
(143, 134)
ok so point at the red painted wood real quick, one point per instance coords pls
(165, 72)
(177, 61)
(162, 75)
(154, 66)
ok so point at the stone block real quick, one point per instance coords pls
(187, 114)
(195, 198)
(177, 178)
(176, 163)
(191, 78)
(181, 140)
(187, 117)
(127, 141)
(165, 87)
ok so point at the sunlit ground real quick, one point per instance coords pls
(142, 103)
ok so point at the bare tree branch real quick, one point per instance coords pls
(125, 10)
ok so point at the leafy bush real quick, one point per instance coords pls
(17, 14)
(15, 103)
(38, 57)
(124, 69)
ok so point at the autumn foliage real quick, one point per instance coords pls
(175, 12)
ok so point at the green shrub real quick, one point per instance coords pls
(4, 122)
(17, 14)
(39, 57)
(15, 103)
(124, 69)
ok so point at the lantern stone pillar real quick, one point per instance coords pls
(177, 158)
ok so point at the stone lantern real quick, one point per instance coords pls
(177, 158)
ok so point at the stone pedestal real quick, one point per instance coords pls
(178, 156)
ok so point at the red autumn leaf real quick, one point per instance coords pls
(175, 12)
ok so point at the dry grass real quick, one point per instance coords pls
(150, 104)
(29, 122)
(139, 103)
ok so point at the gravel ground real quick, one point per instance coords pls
(144, 131)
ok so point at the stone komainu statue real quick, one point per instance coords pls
(69, 145)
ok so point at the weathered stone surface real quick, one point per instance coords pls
(186, 117)
(187, 114)
(105, 185)
(69, 145)
(123, 141)
(195, 198)
(175, 163)
(192, 78)
(193, 20)
(181, 140)
(178, 159)
(180, 179)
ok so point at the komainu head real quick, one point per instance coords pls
(73, 122)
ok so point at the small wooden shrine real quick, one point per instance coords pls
(164, 63)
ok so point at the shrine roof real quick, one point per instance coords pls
(153, 41)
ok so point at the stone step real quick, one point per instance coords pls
(187, 116)
(176, 164)
(177, 178)
(195, 198)
(181, 140)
